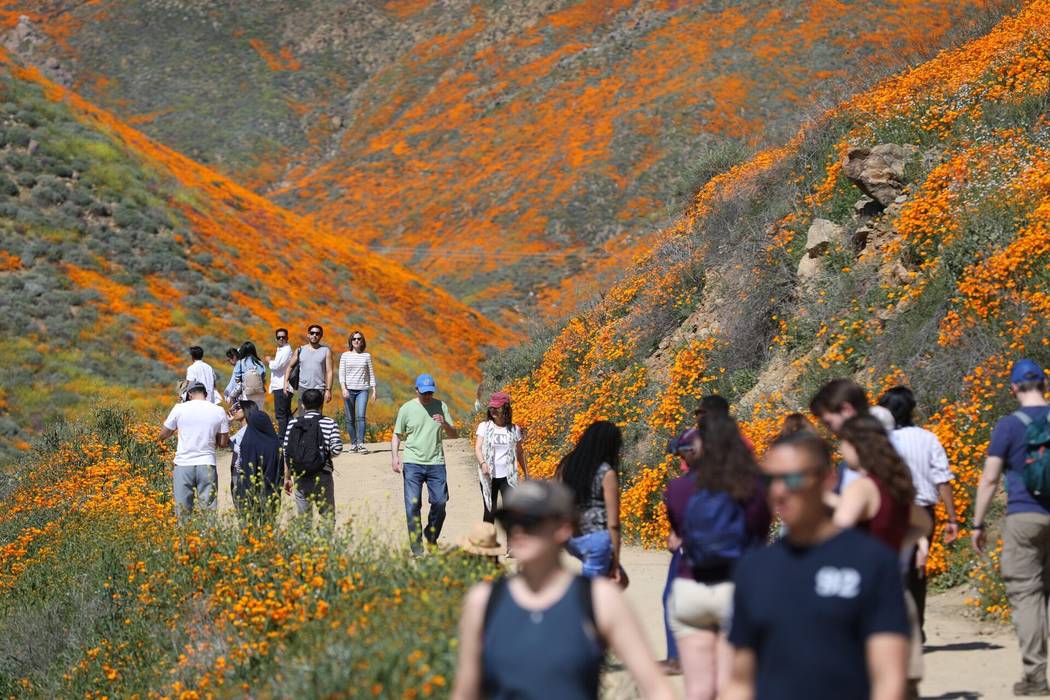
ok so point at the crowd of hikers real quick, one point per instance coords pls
(797, 575)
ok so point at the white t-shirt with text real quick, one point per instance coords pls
(198, 423)
(502, 441)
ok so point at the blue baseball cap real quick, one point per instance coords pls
(425, 384)
(1025, 371)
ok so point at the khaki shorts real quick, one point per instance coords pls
(699, 607)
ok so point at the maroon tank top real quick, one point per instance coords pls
(890, 523)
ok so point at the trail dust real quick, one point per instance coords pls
(965, 658)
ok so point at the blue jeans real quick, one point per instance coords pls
(595, 550)
(436, 479)
(354, 409)
(672, 572)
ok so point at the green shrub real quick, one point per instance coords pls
(121, 598)
(8, 187)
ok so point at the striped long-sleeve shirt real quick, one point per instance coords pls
(329, 433)
(926, 459)
(355, 370)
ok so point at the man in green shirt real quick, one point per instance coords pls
(422, 423)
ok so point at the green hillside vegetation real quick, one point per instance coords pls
(117, 254)
(103, 594)
(69, 195)
(518, 153)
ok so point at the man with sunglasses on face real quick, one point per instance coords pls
(316, 370)
(423, 423)
(819, 615)
(282, 400)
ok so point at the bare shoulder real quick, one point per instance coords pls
(477, 598)
(861, 485)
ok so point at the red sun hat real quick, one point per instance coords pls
(499, 399)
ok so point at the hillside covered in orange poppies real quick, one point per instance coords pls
(904, 236)
(117, 253)
(511, 151)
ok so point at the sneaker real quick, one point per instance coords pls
(361, 449)
(1030, 688)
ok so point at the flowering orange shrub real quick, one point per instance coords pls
(689, 377)
(122, 601)
(990, 174)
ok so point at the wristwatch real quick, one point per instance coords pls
(977, 526)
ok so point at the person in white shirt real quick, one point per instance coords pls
(282, 402)
(201, 426)
(200, 372)
(358, 380)
(499, 452)
(928, 462)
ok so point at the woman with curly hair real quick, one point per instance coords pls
(881, 501)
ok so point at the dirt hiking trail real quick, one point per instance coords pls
(965, 658)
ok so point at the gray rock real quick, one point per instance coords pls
(820, 237)
(808, 267)
(822, 234)
(866, 207)
(879, 171)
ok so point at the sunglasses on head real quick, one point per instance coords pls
(528, 523)
(792, 482)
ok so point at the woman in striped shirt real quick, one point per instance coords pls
(358, 380)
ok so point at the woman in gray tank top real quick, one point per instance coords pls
(543, 632)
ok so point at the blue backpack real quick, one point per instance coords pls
(715, 530)
(1036, 474)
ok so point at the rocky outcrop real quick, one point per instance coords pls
(821, 237)
(31, 45)
(879, 171)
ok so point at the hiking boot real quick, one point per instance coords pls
(1030, 688)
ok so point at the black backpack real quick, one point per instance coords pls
(307, 453)
(293, 376)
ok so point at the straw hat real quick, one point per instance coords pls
(482, 540)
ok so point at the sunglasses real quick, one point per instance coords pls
(313, 332)
(528, 523)
(792, 482)
(282, 337)
(356, 339)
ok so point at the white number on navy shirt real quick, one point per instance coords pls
(838, 583)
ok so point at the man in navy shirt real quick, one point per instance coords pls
(820, 614)
(1026, 530)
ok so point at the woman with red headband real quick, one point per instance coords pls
(499, 452)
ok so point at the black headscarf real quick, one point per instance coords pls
(260, 451)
